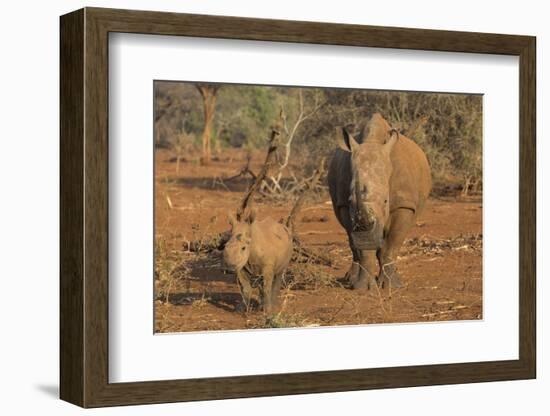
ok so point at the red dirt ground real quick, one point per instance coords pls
(441, 262)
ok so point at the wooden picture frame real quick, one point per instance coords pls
(84, 207)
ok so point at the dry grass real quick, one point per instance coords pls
(193, 293)
(422, 245)
(168, 269)
(286, 320)
(309, 276)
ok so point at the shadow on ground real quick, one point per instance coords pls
(208, 269)
(228, 301)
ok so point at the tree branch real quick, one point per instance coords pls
(244, 208)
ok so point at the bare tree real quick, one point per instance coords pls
(208, 93)
(244, 208)
(289, 134)
(309, 187)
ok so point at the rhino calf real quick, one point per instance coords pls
(259, 252)
(378, 185)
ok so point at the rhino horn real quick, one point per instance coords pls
(346, 141)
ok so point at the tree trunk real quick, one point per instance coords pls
(208, 93)
(466, 185)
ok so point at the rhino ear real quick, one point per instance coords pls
(346, 141)
(392, 139)
(231, 218)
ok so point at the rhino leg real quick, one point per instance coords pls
(366, 278)
(246, 290)
(352, 274)
(267, 289)
(402, 220)
(277, 281)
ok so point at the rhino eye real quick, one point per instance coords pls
(243, 248)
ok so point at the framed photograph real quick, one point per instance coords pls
(257, 207)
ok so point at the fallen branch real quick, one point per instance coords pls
(215, 242)
(310, 256)
(445, 312)
(245, 170)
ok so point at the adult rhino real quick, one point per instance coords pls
(378, 185)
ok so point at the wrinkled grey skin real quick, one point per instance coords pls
(259, 252)
(378, 184)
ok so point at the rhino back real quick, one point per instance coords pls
(410, 183)
(271, 245)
